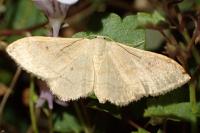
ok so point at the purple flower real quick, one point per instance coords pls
(46, 96)
(56, 11)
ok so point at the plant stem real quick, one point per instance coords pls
(11, 87)
(196, 55)
(31, 108)
(192, 84)
(85, 127)
(50, 121)
(192, 87)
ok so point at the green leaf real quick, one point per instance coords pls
(140, 130)
(23, 14)
(154, 40)
(149, 18)
(120, 30)
(68, 123)
(178, 111)
(27, 15)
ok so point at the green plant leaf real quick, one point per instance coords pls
(27, 15)
(149, 18)
(21, 15)
(179, 111)
(120, 30)
(68, 123)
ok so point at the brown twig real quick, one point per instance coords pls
(8, 32)
(11, 87)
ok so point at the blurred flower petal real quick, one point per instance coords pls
(56, 11)
(69, 2)
(61, 103)
(45, 95)
(52, 8)
(40, 102)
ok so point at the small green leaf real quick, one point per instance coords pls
(120, 30)
(174, 111)
(149, 18)
(68, 123)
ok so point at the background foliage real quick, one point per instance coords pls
(169, 27)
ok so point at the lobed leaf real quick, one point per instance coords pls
(120, 30)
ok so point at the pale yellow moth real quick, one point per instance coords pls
(77, 67)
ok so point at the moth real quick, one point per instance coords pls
(114, 72)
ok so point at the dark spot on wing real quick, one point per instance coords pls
(47, 48)
(71, 68)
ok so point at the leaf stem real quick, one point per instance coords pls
(31, 107)
(192, 83)
(192, 88)
(196, 55)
